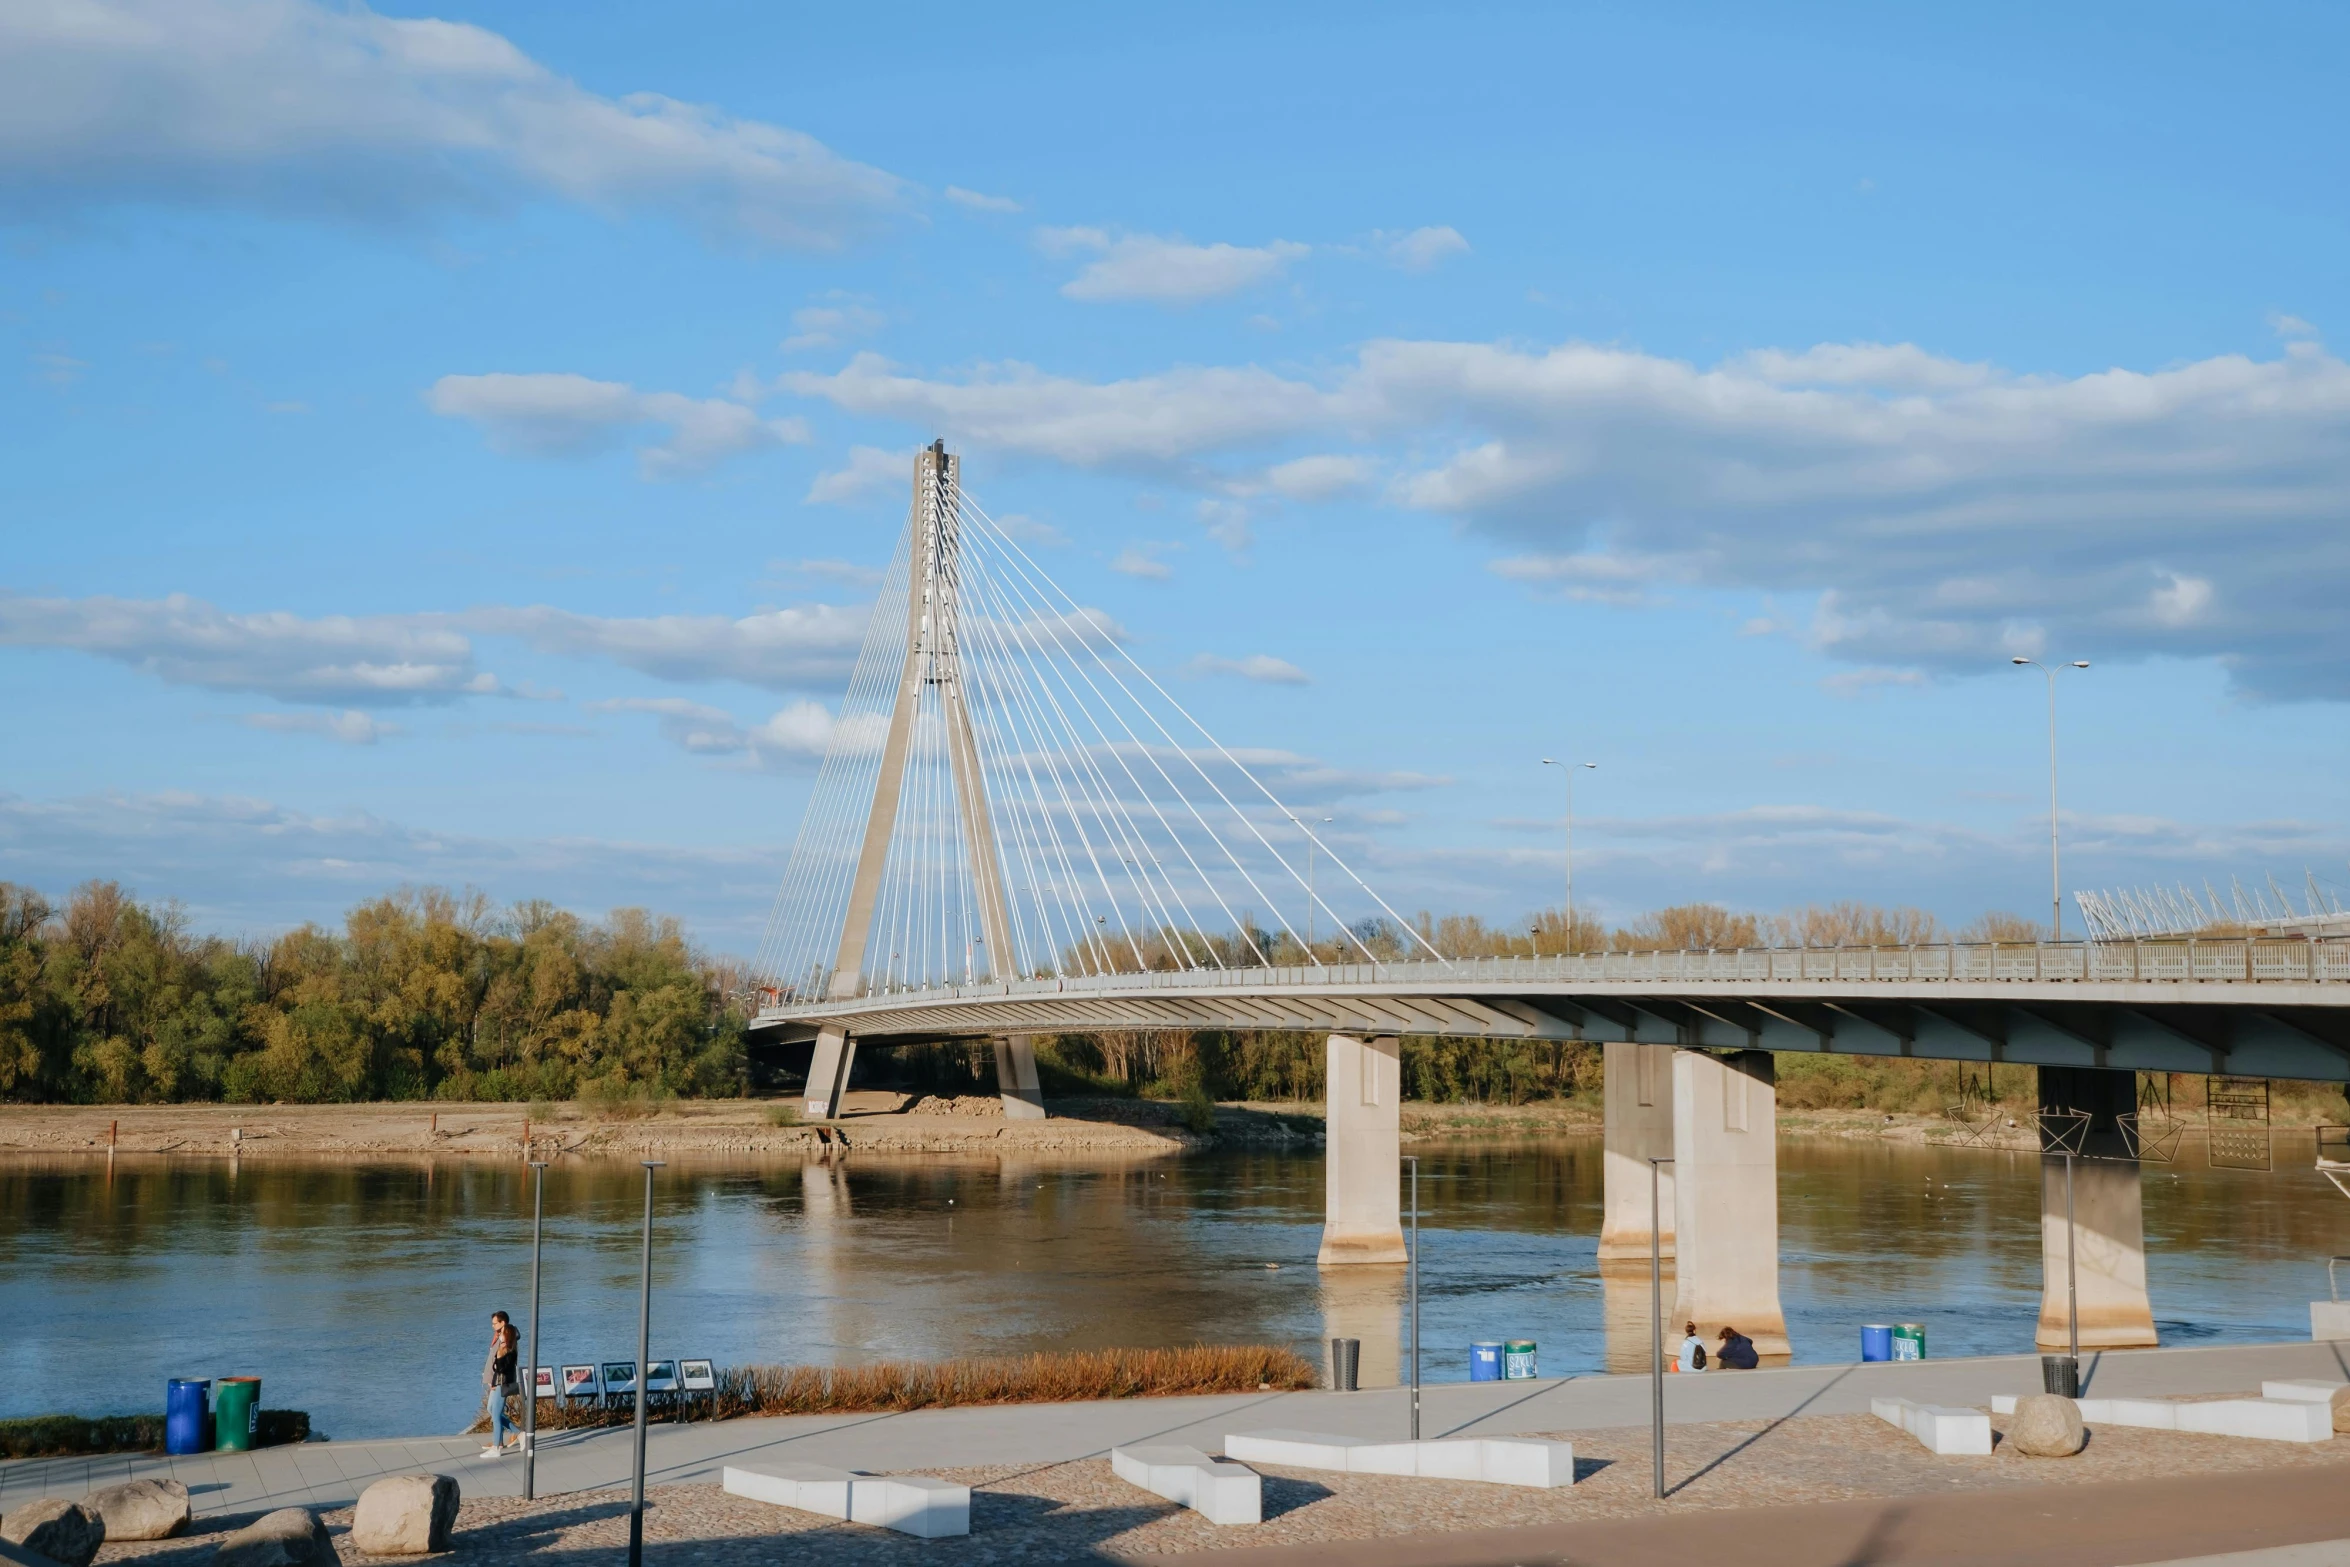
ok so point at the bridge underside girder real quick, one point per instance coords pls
(2238, 1038)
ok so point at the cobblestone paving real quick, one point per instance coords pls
(1069, 1511)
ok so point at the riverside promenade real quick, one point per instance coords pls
(331, 1474)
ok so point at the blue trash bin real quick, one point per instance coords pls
(184, 1408)
(1876, 1341)
(1485, 1362)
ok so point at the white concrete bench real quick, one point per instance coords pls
(2263, 1419)
(2302, 1392)
(1220, 1492)
(910, 1504)
(2329, 1319)
(1945, 1432)
(1523, 1461)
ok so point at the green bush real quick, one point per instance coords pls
(52, 1436)
(1199, 1111)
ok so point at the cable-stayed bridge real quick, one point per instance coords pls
(1018, 830)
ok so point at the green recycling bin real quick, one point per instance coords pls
(1909, 1341)
(236, 1414)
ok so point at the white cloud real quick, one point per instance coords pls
(2182, 601)
(980, 203)
(824, 326)
(1319, 478)
(390, 660)
(1160, 271)
(805, 647)
(375, 659)
(1152, 421)
(1133, 562)
(1860, 682)
(245, 864)
(349, 726)
(1027, 530)
(1884, 367)
(1228, 523)
(1261, 667)
(287, 106)
(1301, 780)
(792, 738)
(560, 415)
(1421, 250)
(870, 471)
(847, 572)
(1598, 576)
(1937, 513)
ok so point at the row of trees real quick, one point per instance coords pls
(428, 994)
(420, 995)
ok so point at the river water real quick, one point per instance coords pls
(360, 1292)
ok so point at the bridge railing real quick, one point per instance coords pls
(2229, 960)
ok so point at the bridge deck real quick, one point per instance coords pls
(2254, 1007)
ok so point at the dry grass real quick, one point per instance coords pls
(1027, 1379)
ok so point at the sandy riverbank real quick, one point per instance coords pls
(871, 1122)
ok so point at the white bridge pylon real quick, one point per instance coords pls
(1009, 794)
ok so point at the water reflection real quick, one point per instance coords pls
(1366, 1304)
(357, 1291)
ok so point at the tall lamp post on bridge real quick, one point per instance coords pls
(2055, 884)
(1569, 769)
(1312, 843)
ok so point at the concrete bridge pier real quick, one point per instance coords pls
(2109, 1217)
(1637, 1093)
(828, 1072)
(1726, 1197)
(1016, 1080)
(1362, 1213)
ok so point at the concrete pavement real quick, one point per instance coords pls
(331, 1474)
(2246, 1519)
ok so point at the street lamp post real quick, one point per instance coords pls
(1414, 1254)
(1656, 1326)
(644, 1341)
(2055, 885)
(1569, 768)
(530, 1390)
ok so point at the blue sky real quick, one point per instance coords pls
(455, 445)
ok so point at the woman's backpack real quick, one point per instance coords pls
(1698, 1360)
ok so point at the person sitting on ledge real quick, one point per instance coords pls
(1692, 1352)
(1737, 1351)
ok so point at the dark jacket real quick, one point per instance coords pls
(1737, 1354)
(498, 1370)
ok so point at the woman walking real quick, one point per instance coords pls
(497, 1377)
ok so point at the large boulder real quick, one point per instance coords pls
(2342, 1408)
(64, 1532)
(289, 1537)
(2046, 1426)
(141, 1509)
(405, 1515)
